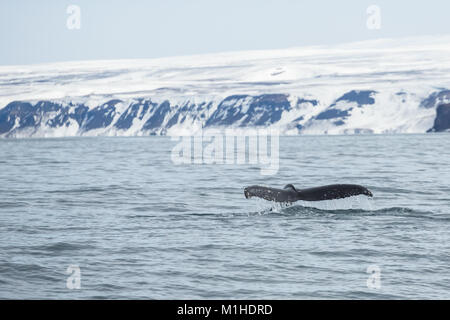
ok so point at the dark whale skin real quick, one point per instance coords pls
(290, 194)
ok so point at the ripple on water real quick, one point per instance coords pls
(141, 227)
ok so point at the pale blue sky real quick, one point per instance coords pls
(35, 31)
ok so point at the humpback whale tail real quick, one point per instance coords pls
(290, 194)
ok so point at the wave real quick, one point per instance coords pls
(304, 211)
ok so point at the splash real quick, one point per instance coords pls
(359, 203)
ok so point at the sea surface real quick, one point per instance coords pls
(116, 218)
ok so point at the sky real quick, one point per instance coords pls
(47, 30)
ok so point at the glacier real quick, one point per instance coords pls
(375, 86)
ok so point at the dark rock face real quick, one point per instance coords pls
(21, 111)
(313, 102)
(442, 120)
(158, 116)
(150, 117)
(297, 123)
(101, 116)
(25, 114)
(63, 118)
(364, 97)
(331, 114)
(262, 110)
(435, 98)
(24, 118)
(126, 119)
(360, 97)
(237, 110)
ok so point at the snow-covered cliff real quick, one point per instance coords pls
(367, 87)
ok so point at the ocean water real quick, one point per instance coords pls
(135, 225)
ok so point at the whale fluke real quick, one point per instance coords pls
(290, 194)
